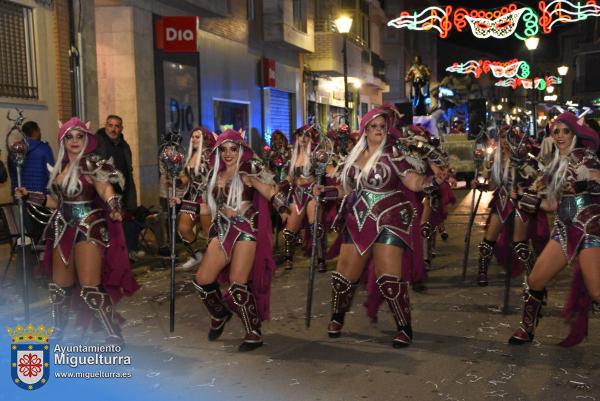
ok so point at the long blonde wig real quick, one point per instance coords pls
(357, 150)
(296, 153)
(70, 183)
(234, 197)
(191, 152)
(558, 170)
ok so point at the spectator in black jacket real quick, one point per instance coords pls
(112, 143)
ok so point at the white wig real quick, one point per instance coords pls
(234, 197)
(558, 170)
(296, 153)
(500, 172)
(357, 150)
(198, 151)
(70, 183)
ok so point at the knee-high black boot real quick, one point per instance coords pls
(210, 294)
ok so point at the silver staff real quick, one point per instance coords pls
(479, 155)
(172, 156)
(17, 146)
(321, 157)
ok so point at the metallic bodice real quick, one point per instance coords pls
(372, 197)
(198, 182)
(76, 212)
(381, 179)
(570, 205)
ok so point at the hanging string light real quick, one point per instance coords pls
(538, 83)
(499, 69)
(499, 23)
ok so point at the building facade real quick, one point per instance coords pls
(37, 69)
(220, 86)
(365, 66)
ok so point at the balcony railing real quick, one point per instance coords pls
(329, 26)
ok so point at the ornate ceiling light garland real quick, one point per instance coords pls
(498, 23)
(509, 69)
(539, 83)
(566, 12)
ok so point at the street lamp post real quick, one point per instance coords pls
(343, 25)
(563, 70)
(532, 43)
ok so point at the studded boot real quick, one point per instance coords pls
(60, 300)
(532, 306)
(342, 292)
(247, 310)
(101, 303)
(395, 292)
(289, 243)
(525, 255)
(210, 295)
(486, 250)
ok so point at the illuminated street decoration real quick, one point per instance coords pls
(430, 18)
(498, 27)
(553, 80)
(466, 68)
(499, 23)
(539, 83)
(564, 11)
(509, 69)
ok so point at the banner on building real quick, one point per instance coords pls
(177, 34)
(269, 73)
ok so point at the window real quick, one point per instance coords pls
(18, 76)
(299, 22)
(230, 114)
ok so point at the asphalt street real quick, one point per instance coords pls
(459, 350)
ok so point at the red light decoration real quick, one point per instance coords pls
(537, 82)
(507, 69)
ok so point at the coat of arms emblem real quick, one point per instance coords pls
(30, 355)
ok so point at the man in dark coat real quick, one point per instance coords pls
(34, 172)
(112, 143)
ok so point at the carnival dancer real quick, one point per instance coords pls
(375, 178)
(434, 206)
(571, 187)
(277, 155)
(512, 170)
(239, 248)
(84, 236)
(194, 178)
(298, 187)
